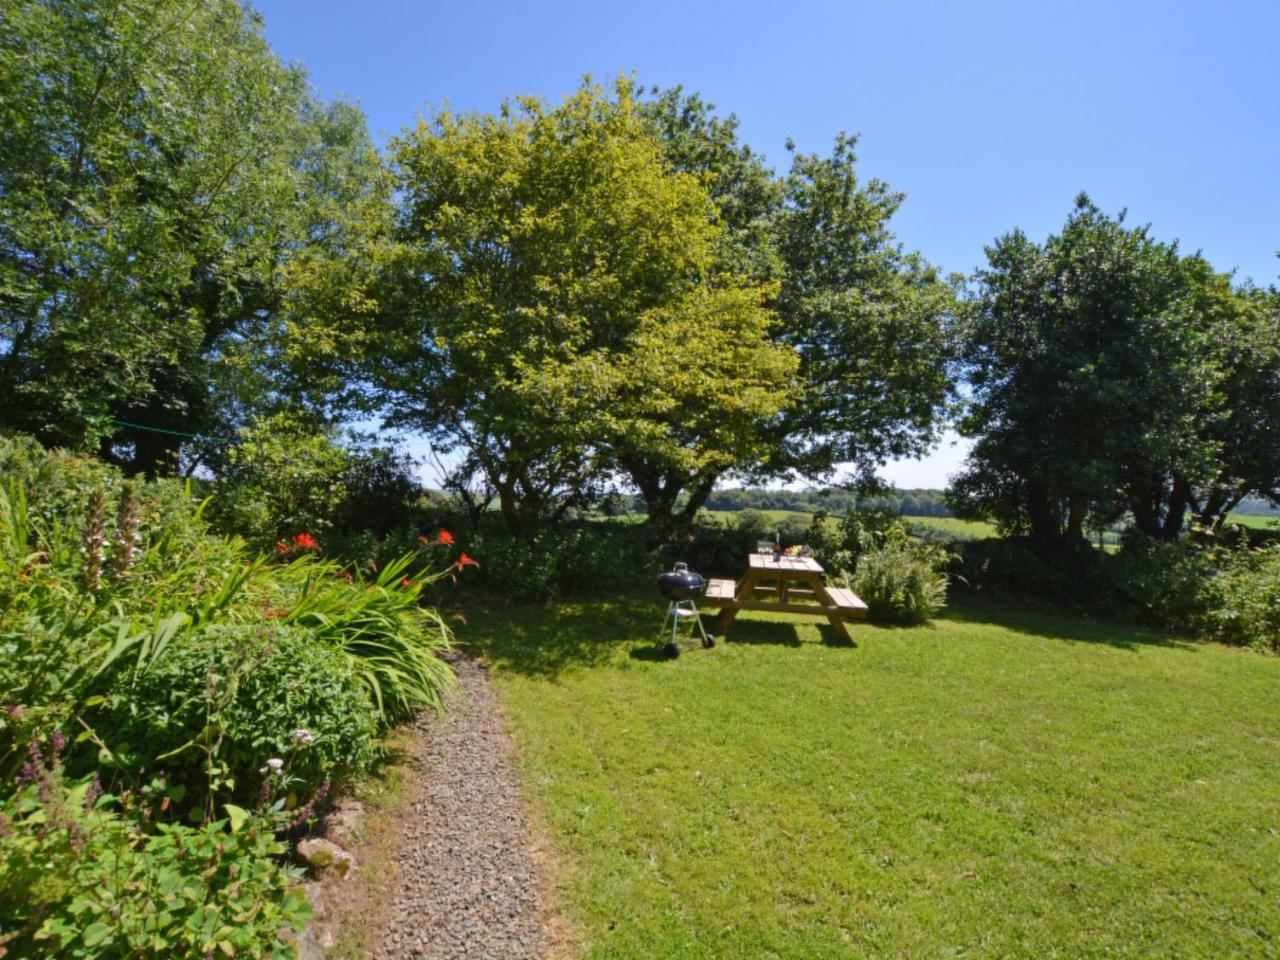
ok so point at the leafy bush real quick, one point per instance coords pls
(1229, 594)
(86, 874)
(1245, 606)
(137, 584)
(1163, 584)
(901, 580)
(289, 474)
(1010, 565)
(573, 558)
(257, 687)
(394, 644)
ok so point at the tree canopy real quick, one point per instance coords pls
(1112, 376)
(551, 305)
(158, 167)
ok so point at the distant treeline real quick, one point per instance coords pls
(909, 503)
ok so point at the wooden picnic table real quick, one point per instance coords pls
(792, 585)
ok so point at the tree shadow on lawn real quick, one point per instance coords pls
(786, 633)
(543, 641)
(1045, 619)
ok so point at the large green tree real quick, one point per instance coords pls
(865, 318)
(158, 167)
(551, 304)
(1111, 376)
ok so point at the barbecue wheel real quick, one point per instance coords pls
(708, 641)
(672, 650)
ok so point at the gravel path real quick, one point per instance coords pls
(470, 883)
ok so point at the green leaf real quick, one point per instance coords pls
(237, 815)
(96, 933)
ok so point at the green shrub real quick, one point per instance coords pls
(1245, 606)
(289, 474)
(1010, 565)
(394, 644)
(79, 621)
(901, 580)
(82, 875)
(1163, 584)
(574, 558)
(257, 685)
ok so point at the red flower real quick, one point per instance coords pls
(281, 547)
(306, 541)
(445, 537)
(465, 561)
(406, 583)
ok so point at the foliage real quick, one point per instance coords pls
(568, 559)
(910, 503)
(865, 319)
(565, 259)
(83, 875)
(1107, 370)
(1247, 599)
(1225, 593)
(234, 696)
(288, 473)
(201, 652)
(901, 580)
(394, 643)
(158, 168)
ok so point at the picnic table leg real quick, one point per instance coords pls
(724, 622)
(837, 624)
(728, 613)
(834, 615)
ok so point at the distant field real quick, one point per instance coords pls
(960, 529)
(1254, 521)
(963, 529)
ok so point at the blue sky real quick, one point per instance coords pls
(988, 115)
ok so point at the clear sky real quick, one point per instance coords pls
(988, 115)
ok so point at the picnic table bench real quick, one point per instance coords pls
(792, 585)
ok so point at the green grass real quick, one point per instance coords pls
(950, 526)
(1004, 783)
(953, 527)
(1256, 521)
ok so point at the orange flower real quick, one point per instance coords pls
(406, 583)
(281, 547)
(445, 537)
(306, 542)
(465, 561)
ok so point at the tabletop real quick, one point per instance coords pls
(765, 561)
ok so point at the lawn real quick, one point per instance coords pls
(1256, 521)
(1003, 783)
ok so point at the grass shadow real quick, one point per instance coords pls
(1046, 619)
(543, 641)
(785, 633)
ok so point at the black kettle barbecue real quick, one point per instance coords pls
(680, 586)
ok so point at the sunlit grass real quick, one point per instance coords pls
(1002, 783)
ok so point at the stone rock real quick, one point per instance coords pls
(342, 824)
(315, 893)
(325, 856)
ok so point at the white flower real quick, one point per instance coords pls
(303, 737)
(274, 765)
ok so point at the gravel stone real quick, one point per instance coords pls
(470, 886)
